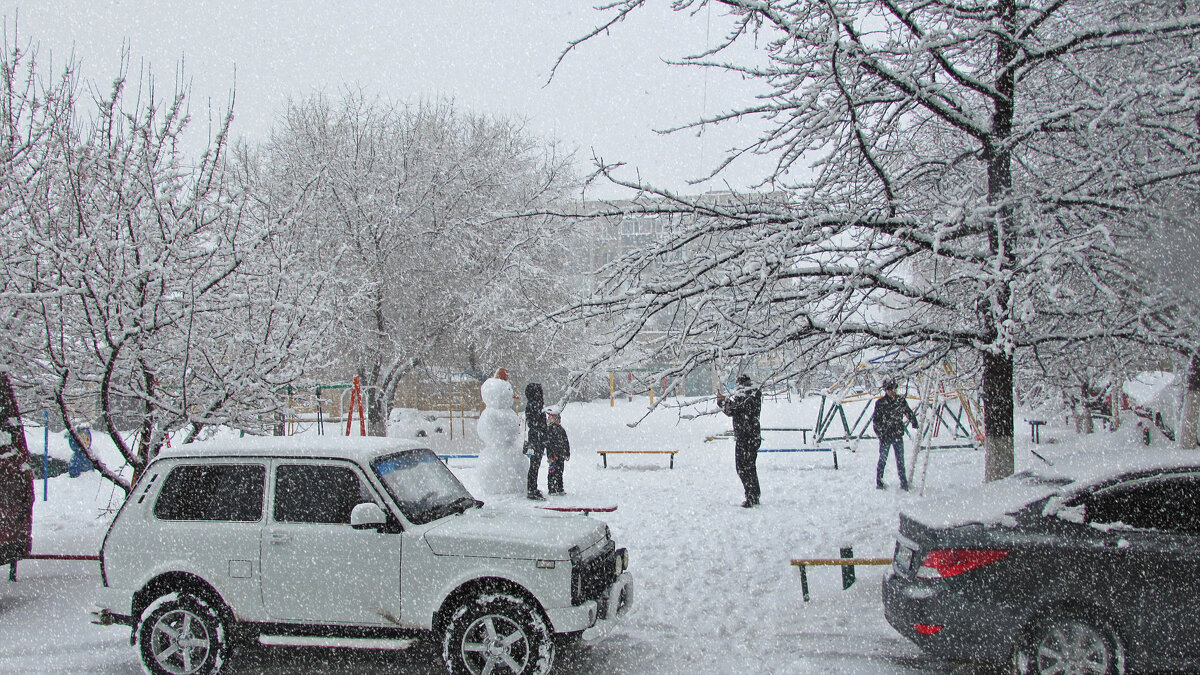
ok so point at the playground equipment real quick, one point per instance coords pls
(634, 386)
(946, 416)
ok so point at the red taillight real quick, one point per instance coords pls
(951, 561)
(926, 629)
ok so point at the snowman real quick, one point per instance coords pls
(502, 465)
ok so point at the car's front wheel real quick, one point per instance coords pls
(497, 634)
(1068, 644)
(182, 634)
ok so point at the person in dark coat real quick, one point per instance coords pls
(744, 405)
(558, 450)
(891, 412)
(535, 438)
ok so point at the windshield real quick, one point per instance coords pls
(422, 486)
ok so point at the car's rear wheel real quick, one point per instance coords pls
(497, 634)
(182, 634)
(1069, 645)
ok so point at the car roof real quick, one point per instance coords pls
(1086, 470)
(355, 448)
(1065, 479)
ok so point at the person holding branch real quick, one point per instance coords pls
(744, 405)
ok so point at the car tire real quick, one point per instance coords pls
(497, 633)
(182, 634)
(1069, 643)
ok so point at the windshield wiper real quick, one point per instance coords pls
(462, 504)
(459, 505)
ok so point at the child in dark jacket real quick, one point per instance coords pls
(558, 450)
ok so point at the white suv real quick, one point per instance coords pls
(356, 542)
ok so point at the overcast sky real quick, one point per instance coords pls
(490, 56)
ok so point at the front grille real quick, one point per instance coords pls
(591, 578)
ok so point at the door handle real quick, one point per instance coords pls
(277, 538)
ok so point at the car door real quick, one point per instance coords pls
(208, 518)
(1151, 529)
(316, 568)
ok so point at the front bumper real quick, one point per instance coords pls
(614, 607)
(596, 618)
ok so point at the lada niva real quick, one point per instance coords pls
(347, 542)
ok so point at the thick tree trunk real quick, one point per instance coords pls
(998, 406)
(1191, 405)
(377, 412)
(998, 416)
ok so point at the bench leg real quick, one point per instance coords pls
(672, 461)
(804, 581)
(835, 464)
(605, 458)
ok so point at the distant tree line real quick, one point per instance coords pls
(151, 292)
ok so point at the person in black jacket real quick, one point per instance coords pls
(558, 450)
(744, 406)
(891, 412)
(535, 439)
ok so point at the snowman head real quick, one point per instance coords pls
(496, 393)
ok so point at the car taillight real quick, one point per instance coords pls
(948, 562)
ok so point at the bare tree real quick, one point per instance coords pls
(413, 217)
(959, 176)
(142, 284)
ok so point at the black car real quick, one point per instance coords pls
(1057, 571)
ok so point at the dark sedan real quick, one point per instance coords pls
(1057, 571)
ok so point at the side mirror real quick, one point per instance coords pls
(367, 516)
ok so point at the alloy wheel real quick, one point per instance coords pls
(180, 642)
(494, 644)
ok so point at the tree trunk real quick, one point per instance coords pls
(1191, 405)
(998, 416)
(1085, 413)
(1114, 403)
(998, 406)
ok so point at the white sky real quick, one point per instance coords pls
(490, 56)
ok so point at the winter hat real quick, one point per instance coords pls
(743, 380)
(889, 385)
(554, 410)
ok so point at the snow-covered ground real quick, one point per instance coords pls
(715, 591)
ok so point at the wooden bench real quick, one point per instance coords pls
(605, 453)
(1034, 430)
(831, 451)
(847, 564)
(803, 430)
(728, 433)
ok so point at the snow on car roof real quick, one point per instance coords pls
(358, 448)
(991, 503)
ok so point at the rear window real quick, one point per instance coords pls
(1164, 503)
(223, 492)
